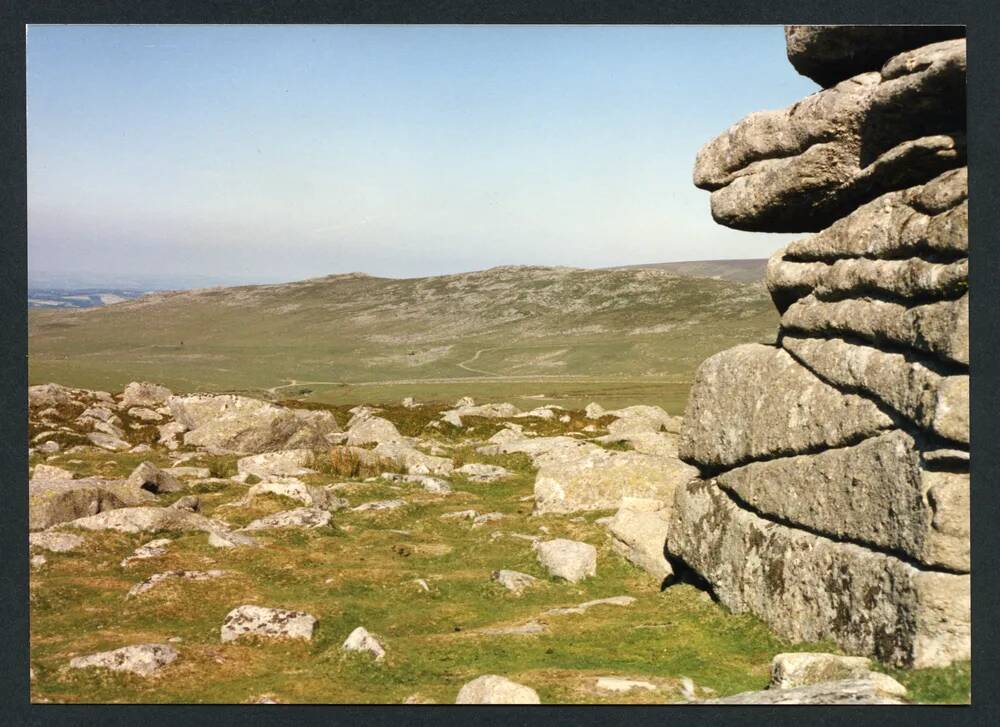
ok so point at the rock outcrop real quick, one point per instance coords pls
(833, 491)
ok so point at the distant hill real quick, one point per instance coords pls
(508, 324)
(743, 271)
(79, 298)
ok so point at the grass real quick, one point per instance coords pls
(361, 570)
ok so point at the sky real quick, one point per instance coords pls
(271, 153)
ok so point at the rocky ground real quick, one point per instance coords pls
(224, 549)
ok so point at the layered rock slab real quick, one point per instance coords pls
(802, 168)
(878, 493)
(830, 53)
(811, 588)
(756, 402)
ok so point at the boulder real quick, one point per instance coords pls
(188, 502)
(360, 640)
(51, 502)
(598, 479)
(493, 689)
(221, 539)
(302, 517)
(379, 505)
(810, 588)
(51, 395)
(270, 623)
(830, 53)
(756, 402)
(228, 424)
(514, 581)
(877, 493)
(413, 460)
(147, 520)
(148, 476)
(169, 433)
(141, 393)
(110, 442)
(936, 403)
(639, 534)
(142, 659)
(372, 430)
(570, 560)
(802, 168)
(289, 462)
(800, 669)
(874, 689)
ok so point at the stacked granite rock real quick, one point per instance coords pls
(833, 497)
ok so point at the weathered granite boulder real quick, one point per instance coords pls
(55, 542)
(148, 476)
(810, 588)
(288, 462)
(493, 689)
(141, 393)
(800, 669)
(802, 168)
(570, 560)
(876, 688)
(877, 492)
(598, 479)
(755, 402)
(147, 519)
(830, 53)
(187, 575)
(142, 659)
(372, 430)
(55, 501)
(270, 623)
(514, 581)
(308, 495)
(639, 534)
(228, 424)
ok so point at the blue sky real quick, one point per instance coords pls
(260, 153)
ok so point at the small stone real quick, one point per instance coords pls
(156, 578)
(188, 502)
(55, 541)
(568, 559)
(361, 640)
(379, 505)
(274, 623)
(302, 517)
(152, 549)
(37, 561)
(141, 659)
(514, 581)
(487, 517)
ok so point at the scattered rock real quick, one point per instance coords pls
(302, 517)
(152, 549)
(185, 471)
(875, 689)
(567, 559)
(141, 393)
(801, 669)
(142, 659)
(514, 581)
(361, 640)
(37, 561)
(584, 607)
(231, 540)
(157, 578)
(188, 502)
(109, 442)
(54, 541)
(493, 689)
(378, 505)
(146, 519)
(50, 472)
(289, 462)
(272, 623)
(487, 517)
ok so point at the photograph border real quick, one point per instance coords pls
(984, 154)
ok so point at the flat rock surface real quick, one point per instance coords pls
(494, 689)
(274, 623)
(141, 659)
